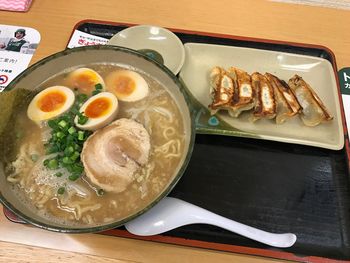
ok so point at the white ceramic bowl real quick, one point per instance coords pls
(156, 42)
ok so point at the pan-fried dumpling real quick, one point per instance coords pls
(221, 90)
(243, 98)
(286, 101)
(265, 106)
(314, 111)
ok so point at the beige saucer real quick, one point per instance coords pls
(156, 42)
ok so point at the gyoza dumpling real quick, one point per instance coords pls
(286, 101)
(265, 105)
(314, 111)
(243, 98)
(221, 90)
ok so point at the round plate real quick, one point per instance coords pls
(156, 42)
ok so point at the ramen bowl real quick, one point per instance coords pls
(32, 195)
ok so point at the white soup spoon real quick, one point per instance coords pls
(171, 213)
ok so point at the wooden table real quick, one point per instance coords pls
(252, 18)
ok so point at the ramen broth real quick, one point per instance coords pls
(83, 203)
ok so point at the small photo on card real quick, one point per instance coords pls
(17, 46)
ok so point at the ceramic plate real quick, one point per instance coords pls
(156, 42)
(318, 72)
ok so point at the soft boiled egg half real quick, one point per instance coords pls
(84, 80)
(50, 103)
(100, 110)
(127, 85)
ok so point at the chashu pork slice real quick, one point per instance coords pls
(113, 154)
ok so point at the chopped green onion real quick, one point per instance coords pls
(75, 156)
(81, 135)
(82, 97)
(95, 92)
(73, 177)
(77, 147)
(62, 123)
(46, 162)
(53, 149)
(53, 164)
(59, 174)
(60, 191)
(100, 192)
(82, 119)
(34, 157)
(98, 86)
(60, 135)
(77, 168)
(52, 124)
(71, 130)
(75, 111)
(69, 151)
(67, 160)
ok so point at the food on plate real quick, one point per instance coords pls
(112, 155)
(314, 111)
(221, 90)
(265, 103)
(243, 98)
(99, 110)
(50, 103)
(127, 85)
(235, 91)
(286, 101)
(95, 161)
(85, 80)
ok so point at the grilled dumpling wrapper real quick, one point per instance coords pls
(221, 89)
(286, 101)
(265, 105)
(113, 154)
(314, 111)
(243, 98)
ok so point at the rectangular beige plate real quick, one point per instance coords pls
(318, 72)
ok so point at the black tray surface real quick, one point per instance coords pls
(274, 186)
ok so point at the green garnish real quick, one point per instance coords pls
(67, 160)
(62, 123)
(81, 98)
(98, 86)
(53, 164)
(100, 192)
(73, 177)
(95, 92)
(34, 157)
(81, 135)
(61, 190)
(59, 174)
(75, 156)
(82, 119)
(60, 135)
(71, 130)
(67, 140)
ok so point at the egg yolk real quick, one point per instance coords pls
(86, 81)
(124, 85)
(51, 101)
(98, 108)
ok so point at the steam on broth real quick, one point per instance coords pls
(79, 201)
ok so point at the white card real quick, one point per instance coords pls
(17, 46)
(80, 39)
